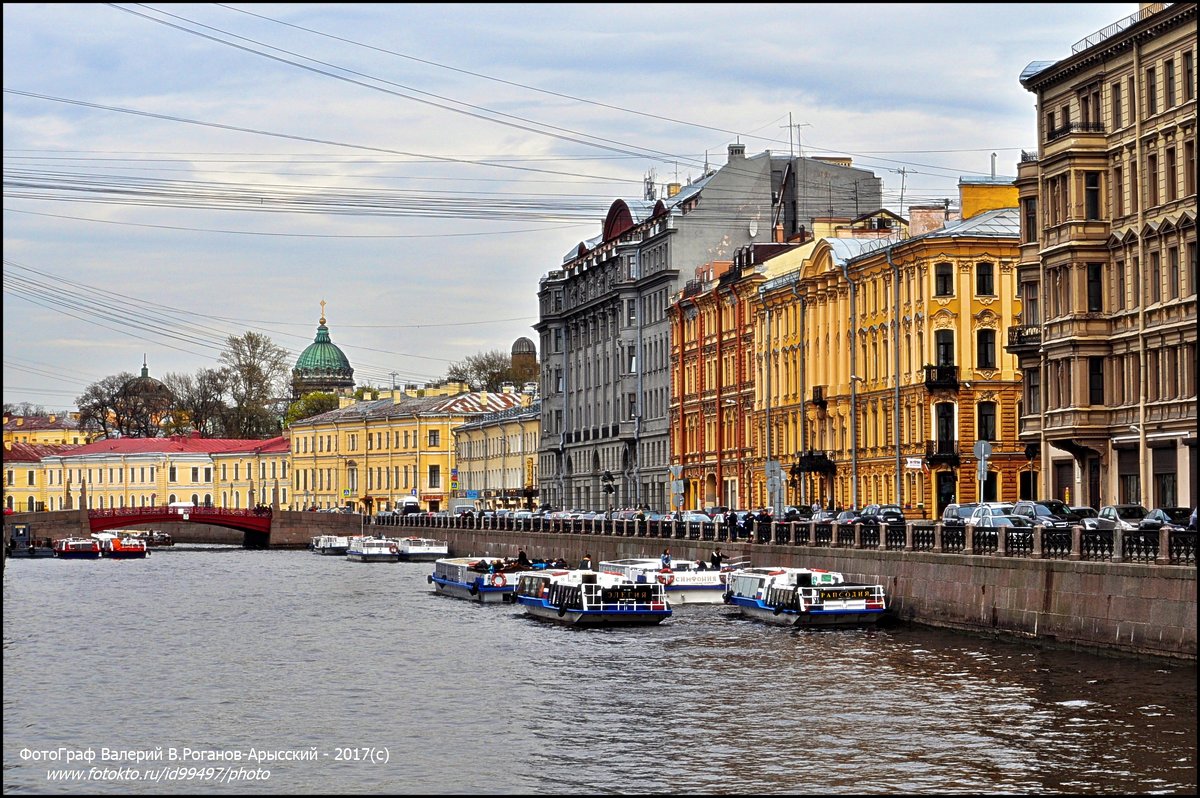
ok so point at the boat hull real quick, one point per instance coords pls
(371, 556)
(78, 555)
(777, 616)
(696, 595)
(543, 610)
(422, 556)
(472, 591)
(331, 551)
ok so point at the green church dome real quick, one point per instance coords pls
(323, 356)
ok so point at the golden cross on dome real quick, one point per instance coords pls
(322, 311)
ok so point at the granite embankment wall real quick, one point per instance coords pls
(1122, 607)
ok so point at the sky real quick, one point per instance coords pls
(176, 174)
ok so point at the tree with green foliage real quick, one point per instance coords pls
(309, 405)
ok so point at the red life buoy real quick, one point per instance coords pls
(393, 549)
(666, 578)
(499, 581)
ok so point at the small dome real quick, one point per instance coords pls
(523, 346)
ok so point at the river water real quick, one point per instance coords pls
(284, 672)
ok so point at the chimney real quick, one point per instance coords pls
(52, 417)
(778, 232)
(672, 189)
(20, 421)
(737, 152)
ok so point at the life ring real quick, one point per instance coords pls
(666, 578)
(499, 581)
(392, 549)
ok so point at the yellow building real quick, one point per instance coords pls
(496, 457)
(135, 472)
(835, 333)
(371, 455)
(54, 429)
(25, 482)
(253, 473)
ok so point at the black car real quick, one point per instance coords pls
(1048, 513)
(956, 515)
(1172, 518)
(875, 514)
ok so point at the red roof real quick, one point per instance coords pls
(177, 444)
(32, 453)
(279, 445)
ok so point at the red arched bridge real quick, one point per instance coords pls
(252, 519)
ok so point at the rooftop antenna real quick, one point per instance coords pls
(993, 166)
(799, 142)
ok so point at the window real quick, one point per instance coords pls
(1095, 287)
(1118, 191)
(1171, 178)
(1116, 106)
(985, 284)
(195, 474)
(1173, 273)
(1091, 195)
(208, 474)
(171, 474)
(1030, 309)
(1189, 76)
(943, 280)
(1155, 277)
(1152, 180)
(1189, 168)
(1169, 84)
(1096, 380)
(435, 476)
(944, 342)
(987, 421)
(986, 345)
(435, 438)
(1151, 91)
(1120, 269)
(1029, 220)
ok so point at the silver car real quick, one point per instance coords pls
(1122, 516)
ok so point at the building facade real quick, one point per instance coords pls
(497, 457)
(604, 327)
(25, 481)
(370, 455)
(255, 474)
(1108, 269)
(53, 429)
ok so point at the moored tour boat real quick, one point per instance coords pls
(476, 578)
(804, 597)
(591, 598)
(365, 549)
(414, 549)
(121, 547)
(685, 582)
(331, 545)
(77, 549)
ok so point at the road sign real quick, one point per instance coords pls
(773, 469)
(676, 471)
(913, 462)
(772, 485)
(983, 450)
(677, 486)
(678, 499)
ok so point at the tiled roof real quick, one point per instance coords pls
(174, 445)
(32, 453)
(277, 445)
(32, 423)
(411, 406)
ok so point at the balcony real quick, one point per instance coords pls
(1025, 339)
(814, 462)
(627, 430)
(943, 452)
(818, 397)
(939, 377)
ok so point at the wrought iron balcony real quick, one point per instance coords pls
(1024, 338)
(943, 452)
(818, 397)
(1074, 127)
(941, 377)
(815, 462)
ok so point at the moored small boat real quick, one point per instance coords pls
(484, 579)
(121, 547)
(415, 549)
(685, 582)
(330, 545)
(591, 598)
(366, 549)
(77, 549)
(804, 597)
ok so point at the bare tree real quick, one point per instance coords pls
(256, 370)
(488, 371)
(100, 405)
(199, 401)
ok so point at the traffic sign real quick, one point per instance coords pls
(983, 450)
(676, 471)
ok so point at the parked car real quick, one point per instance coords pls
(992, 521)
(1047, 512)
(694, 517)
(1122, 516)
(875, 514)
(797, 513)
(956, 515)
(1171, 518)
(989, 510)
(1090, 516)
(848, 516)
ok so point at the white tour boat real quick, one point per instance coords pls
(332, 545)
(804, 597)
(365, 549)
(471, 578)
(591, 598)
(413, 549)
(685, 582)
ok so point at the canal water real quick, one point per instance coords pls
(218, 670)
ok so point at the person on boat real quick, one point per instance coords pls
(665, 559)
(523, 559)
(586, 563)
(716, 560)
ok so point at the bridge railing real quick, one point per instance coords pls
(158, 512)
(1165, 547)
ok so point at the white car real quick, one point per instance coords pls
(980, 515)
(1122, 516)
